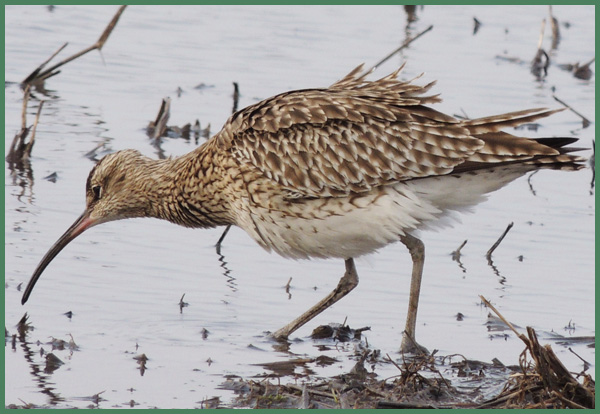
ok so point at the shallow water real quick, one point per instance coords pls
(123, 280)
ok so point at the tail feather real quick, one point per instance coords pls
(560, 143)
(512, 119)
(541, 152)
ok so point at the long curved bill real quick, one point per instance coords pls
(81, 224)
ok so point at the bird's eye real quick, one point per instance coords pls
(97, 190)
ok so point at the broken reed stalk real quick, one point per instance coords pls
(585, 363)
(593, 166)
(505, 399)
(19, 150)
(393, 362)
(26, 95)
(556, 376)
(556, 379)
(554, 27)
(539, 69)
(456, 253)
(33, 75)
(588, 63)
(182, 304)
(512, 328)
(476, 25)
(583, 72)
(489, 252)
(19, 138)
(37, 76)
(586, 122)
(541, 38)
(531, 185)
(405, 44)
(29, 147)
(236, 97)
(160, 124)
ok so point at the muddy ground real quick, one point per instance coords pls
(428, 381)
(423, 381)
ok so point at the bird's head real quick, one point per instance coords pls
(114, 190)
(117, 186)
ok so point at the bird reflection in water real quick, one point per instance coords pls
(41, 372)
(231, 284)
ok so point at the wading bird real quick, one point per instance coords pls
(334, 172)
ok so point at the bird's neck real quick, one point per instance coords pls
(188, 190)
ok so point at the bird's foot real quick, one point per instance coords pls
(410, 346)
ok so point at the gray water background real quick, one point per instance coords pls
(123, 280)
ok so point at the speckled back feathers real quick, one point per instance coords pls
(357, 135)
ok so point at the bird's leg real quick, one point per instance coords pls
(417, 252)
(218, 245)
(348, 282)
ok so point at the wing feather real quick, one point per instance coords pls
(359, 134)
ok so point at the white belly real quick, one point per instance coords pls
(354, 226)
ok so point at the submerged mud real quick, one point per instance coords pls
(430, 381)
(424, 381)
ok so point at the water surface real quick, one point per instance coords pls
(123, 281)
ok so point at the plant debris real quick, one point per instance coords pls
(425, 381)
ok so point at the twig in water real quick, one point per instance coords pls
(158, 127)
(456, 253)
(593, 166)
(18, 143)
(489, 252)
(39, 77)
(236, 97)
(552, 375)
(411, 13)
(29, 146)
(182, 304)
(503, 319)
(585, 122)
(26, 95)
(476, 25)
(33, 75)
(393, 362)
(529, 182)
(583, 72)
(405, 44)
(586, 364)
(20, 151)
(539, 67)
(555, 29)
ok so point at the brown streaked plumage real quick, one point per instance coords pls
(330, 172)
